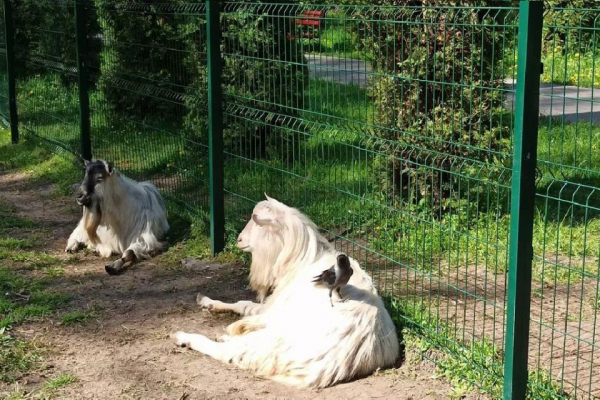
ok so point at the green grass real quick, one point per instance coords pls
(22, 297)
(337, 164)
(16, 250)
(9, 220)
(576, 69)
(50, 108)
(352, 105)
(48, 391)
(199, 248)
(41, 166)
(338, 38)
(25, 299)
(78, 317)
(570, 148)
(337, 42)
(60, 382)
(54, 272)
(475, 365)
(571, 68)
(9, 243)
(16, 357)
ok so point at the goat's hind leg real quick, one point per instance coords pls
(119, 265)
(243, 307)
(201, 344)
(134, 253)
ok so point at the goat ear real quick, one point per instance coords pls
(109, 168)
(262, 221)
(86, 162)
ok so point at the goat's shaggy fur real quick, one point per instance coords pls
(296, 337)
(121, 217)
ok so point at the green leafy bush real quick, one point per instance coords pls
(438, 92)
(142, 65)
(264, 75)
(162, 53)
(570, 24)
(45, 38)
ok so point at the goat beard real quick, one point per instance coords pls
(92, 216)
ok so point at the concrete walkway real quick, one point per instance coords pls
(574, 104)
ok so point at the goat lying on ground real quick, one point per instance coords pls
(120, 216)
(296, 337)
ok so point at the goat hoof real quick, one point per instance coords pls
(111, 269)
(204, 302)
(180, 338)
(224, 338)
(73, 248)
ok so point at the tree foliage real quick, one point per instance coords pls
(438, 90)
(45, 37)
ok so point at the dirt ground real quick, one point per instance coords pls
(124, 351)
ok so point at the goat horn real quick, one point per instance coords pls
(262, 221)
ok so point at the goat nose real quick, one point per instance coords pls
(239, 239)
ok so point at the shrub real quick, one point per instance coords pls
(45, 37)
(560, 19)
(163, 53)
(436, 93)
(142, 67)
(264, 76)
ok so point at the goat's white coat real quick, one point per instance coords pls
(134, 217)
(296, 337)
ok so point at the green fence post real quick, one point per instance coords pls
(9, 31)
(215, 127)
(82, 77)
(523, 198)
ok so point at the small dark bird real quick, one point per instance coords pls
(336, 276)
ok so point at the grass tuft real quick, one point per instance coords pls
(79, 317)
(16, 357)
(473, 365)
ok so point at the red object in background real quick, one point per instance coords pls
(308, 19)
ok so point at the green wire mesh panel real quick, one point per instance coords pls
(565, 330)
(149, 97)
(45, 61)
(390, 127)
(3, 75)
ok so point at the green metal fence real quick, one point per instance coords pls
(407, 132)
(565, 330)
(4, 113)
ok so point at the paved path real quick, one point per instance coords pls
(342, 70)
(575, 104)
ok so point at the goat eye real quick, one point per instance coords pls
(98, 180)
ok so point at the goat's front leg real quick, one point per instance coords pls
(241, 307)
(116, 267)
(77, 239)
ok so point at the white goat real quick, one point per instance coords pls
(120, 216)
(296, 337)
